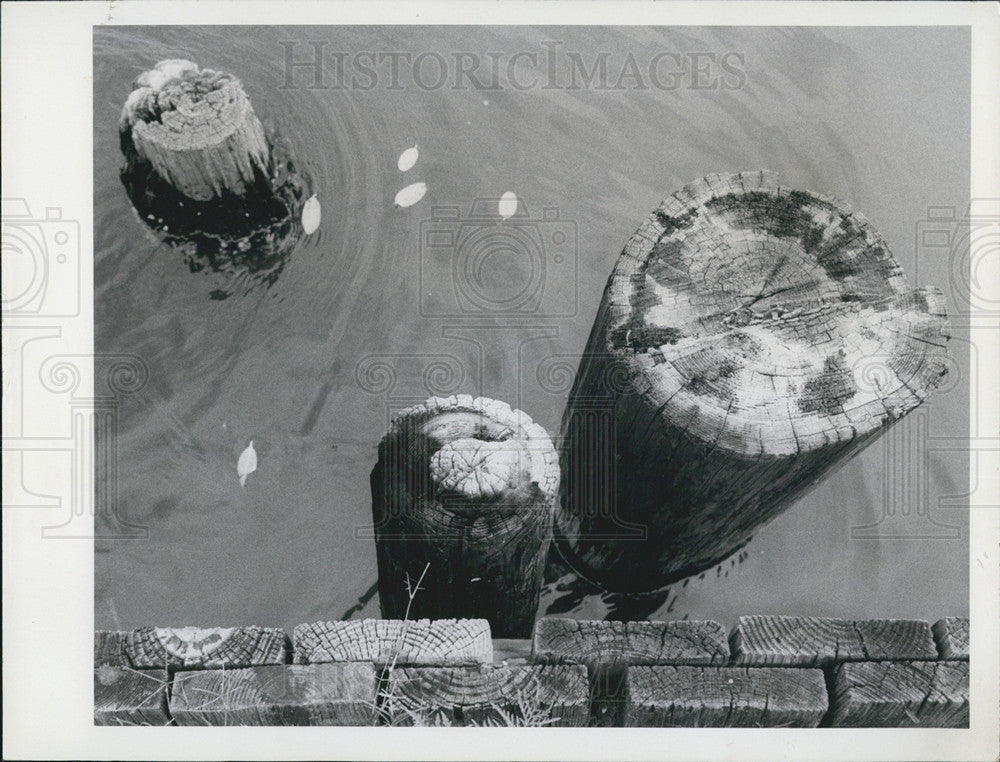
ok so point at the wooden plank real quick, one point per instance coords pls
(109, 648)
(951, 635)
(205, 648)
(571, 641)
(125, 696)
(682, 696)
(437, 642)
(287, 694)
(911, 694)
(489, 695)
(816, 641)
(607, 647)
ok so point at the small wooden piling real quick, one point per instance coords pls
(750, 340)
(464, 488)
(197, 130)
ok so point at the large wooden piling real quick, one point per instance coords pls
(197, 130)
(750, 340)
(465, 489)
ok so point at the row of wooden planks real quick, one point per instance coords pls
(771, 672)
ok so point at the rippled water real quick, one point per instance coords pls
(352, 329)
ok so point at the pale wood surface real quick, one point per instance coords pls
(467, 486)
(290, 694)
(464, 695)
(951, 635)
(571, 641)
(901, 695)
(668, 696)
(204, 647)
(197, 129)
(812, 641)
(425, 642)
(109, 648)
(750, 340)
(125, 696)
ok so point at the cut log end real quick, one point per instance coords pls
(479, 456)
(751, 339)
(464, 490)
(773, 320)
(197, 129)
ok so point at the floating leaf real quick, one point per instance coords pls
(247, 464)
(508, 205)
(407, 159)
(311, 215)
(411, 194)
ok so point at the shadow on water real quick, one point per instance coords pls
(565, 592)
(245, 241)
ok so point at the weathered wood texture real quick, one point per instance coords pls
(951, 635)
(125, 696)
(467, 486)
(571, 641)
(750, 340)
(204, 648)
(197, 129)
(289, 694)
(608, 647)
(109, 648)
(532, 695)
(666, 696)
(901, 695)
(438, 642)
(816, 641)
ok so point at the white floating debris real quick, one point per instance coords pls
(407, 159)
(247, 464)
(311, 215)
(508, 205)
(411, 194)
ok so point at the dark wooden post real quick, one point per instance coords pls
(197, 130)
(750, 340)
(465, 488)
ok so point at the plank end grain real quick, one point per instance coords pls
(901, 695)
(288, 694)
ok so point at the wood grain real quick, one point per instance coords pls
(901, 695)
(125, 696)
(464, 696)
(204, 647)
(109, 648)
(290, 694)
(815, 641)
(571, 641)
(750, 340)
(197, 129)
(951, 635)
(466, 489)
(714, 697)
(424, 642)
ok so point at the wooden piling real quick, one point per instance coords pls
(464, 488)
(750, 340)
(197, 129)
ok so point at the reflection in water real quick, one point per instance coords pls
(245, 240)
